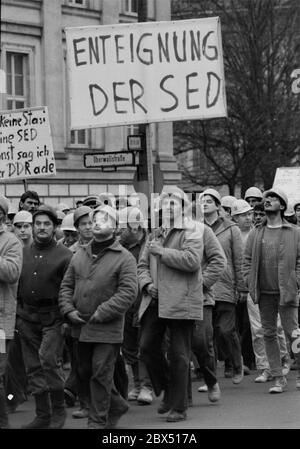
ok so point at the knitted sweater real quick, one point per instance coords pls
(43, 270)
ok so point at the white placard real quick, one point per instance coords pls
(26, 149)
(288, 179)
(145, 72)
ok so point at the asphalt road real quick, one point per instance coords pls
(244, 406)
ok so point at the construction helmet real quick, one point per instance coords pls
(240, 207)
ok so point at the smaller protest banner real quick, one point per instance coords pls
(26, 149)
(288, 179)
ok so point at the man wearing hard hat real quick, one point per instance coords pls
(98, 288)
(23, 227)
(229, 288)
(69, 231)
(271, 270)
(172, 299)
(39, 320)
(253, 196)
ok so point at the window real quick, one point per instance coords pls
(79, 138)
(79, 3)
(131, 6)
(132, 129)
(17, 77)
(151, 9)
(128, 131)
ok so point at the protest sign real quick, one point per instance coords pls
(288, 179)
(145, 72)
(26, 149)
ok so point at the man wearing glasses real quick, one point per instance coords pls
(271, 269)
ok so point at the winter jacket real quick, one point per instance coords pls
(231, 280)
(179, 274)
(288, 264)
(106, 283)
(213, 264)
(11, 257)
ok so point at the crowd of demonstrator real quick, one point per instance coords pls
(136, 311)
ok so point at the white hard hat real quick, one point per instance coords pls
(110, 211)
(278, 192)
(253, 192)
(176, 192)
(108, 199)
(212, 192)
(68, 223)
(60, 215)
(62, 207)
(227, 201)
(131, 214)
(23, 217)
(240, 207)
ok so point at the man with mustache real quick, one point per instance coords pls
(271, 270)
(39, 320)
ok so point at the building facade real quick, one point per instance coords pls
(33, 56)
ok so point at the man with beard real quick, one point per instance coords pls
(39, 319)
(271, 269)
(98, 288)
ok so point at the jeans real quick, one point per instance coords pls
(3, 409)
(203, 347)
(130, 350)
(170, 376)
(97, 364)
(42, 348)
(258, 341)
(269, 308)
(227, 339)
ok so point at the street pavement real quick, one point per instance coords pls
(244, 406)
